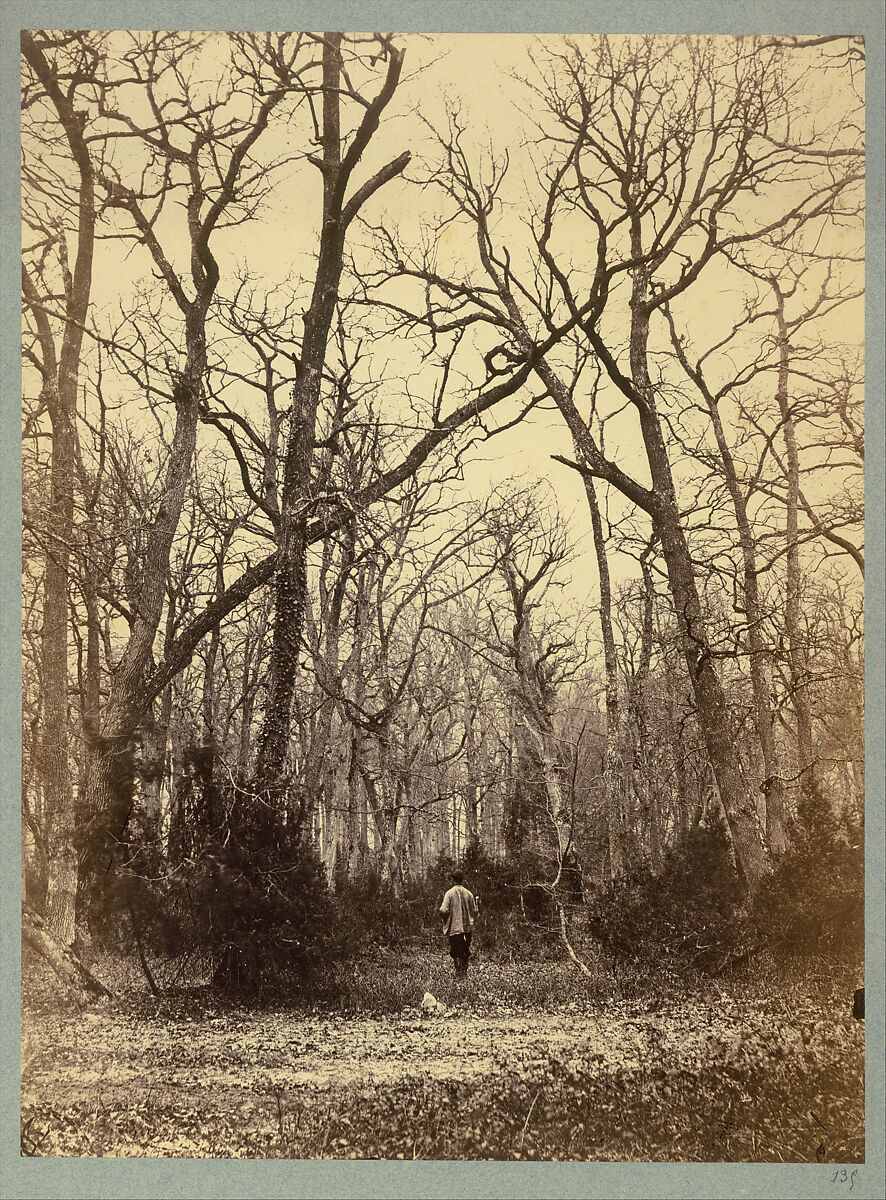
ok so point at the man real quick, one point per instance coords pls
(459, 911)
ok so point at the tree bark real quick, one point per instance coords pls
(712, 711)
(798, 664)
(107, 806)
(661, 504)
(613, 769)
(60, 379)
(773, 785)
(108, 803)
(290, 578)
(80, 984)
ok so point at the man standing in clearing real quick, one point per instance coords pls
(459, 911)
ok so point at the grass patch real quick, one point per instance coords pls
(389, 983)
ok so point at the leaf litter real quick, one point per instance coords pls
(184, 1082)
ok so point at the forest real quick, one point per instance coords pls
(442, 453)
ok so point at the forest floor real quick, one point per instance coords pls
(497, 1073)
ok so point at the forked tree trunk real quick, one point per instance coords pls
(107, 805)
(291, 579)
(773, 785)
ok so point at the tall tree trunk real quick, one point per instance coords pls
(773, 784)
(613, 771)
(357, 831)
(108, 804)
(798, 664)
(539, 757)
(60, 379)
(290, 580)
(472, 761)
(713, 716)
(54, 754)
(643, 774)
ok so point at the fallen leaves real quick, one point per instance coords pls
(614, 1079)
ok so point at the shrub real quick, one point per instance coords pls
(369, 911)
(691, 911)
(813, 903)
(251, 895)
(514, 910)
(261, 905)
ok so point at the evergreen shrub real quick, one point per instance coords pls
(813, 903)
(691, 912)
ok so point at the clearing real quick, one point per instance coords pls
(177, 1080)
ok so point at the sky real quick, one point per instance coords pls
(481, 74)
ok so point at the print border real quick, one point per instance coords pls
(96, 1178)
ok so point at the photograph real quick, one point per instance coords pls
(442, 597)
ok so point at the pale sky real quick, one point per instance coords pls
(476, 72)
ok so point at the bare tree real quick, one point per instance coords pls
(62, 75)
(661, 187)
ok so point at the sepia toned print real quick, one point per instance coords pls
(443, 596)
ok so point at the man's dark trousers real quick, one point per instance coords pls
(460, 950)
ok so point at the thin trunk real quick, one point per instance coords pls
(152, 767)
(252, 664)
(613, 772)
(140, 950)
(81, 985)
(644, 775)
(356, 815)
(472, 762)
(798, 664)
